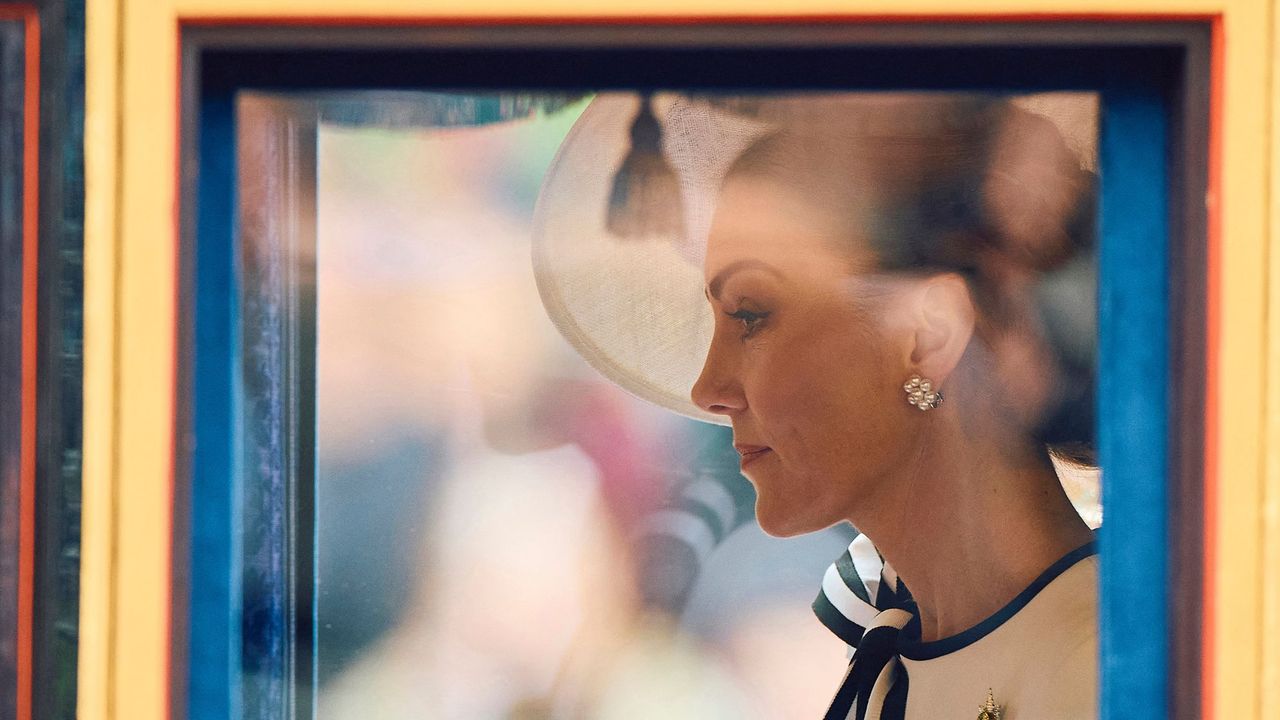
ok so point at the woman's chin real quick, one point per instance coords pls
(784, 522)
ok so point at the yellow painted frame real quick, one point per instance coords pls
(130, 275)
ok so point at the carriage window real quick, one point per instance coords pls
(507, 362)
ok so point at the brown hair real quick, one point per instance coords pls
(968, 184)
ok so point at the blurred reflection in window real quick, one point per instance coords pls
(797, 266)
(502, 533)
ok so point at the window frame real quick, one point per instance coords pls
(19, 248)
(41, 404)
(218, 58)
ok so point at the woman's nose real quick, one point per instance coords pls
(717, 389)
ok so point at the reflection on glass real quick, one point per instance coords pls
(799, 266)
(502, 532)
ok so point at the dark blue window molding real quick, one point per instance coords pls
(233, 643)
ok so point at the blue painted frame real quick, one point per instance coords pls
(1134, 297)
(1133, 410)
(216, 614)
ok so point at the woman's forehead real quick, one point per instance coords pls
(763, 219)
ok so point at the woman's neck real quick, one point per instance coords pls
(967, 527)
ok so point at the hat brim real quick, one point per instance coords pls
(635, 310)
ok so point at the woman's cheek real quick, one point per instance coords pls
(772, 376)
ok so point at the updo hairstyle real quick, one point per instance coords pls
(972, 185)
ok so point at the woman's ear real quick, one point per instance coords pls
(943, 317)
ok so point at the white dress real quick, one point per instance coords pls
(1037, 656)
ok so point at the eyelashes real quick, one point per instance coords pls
(751, 320)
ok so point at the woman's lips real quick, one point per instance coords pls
(751, 453)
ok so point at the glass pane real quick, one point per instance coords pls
(482, 524)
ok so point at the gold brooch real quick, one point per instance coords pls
(989, 710)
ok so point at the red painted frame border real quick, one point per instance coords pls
(1214, 202)
(1213, 333)
(30, 250)
(374, 21)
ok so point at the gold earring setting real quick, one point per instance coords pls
(921, 394)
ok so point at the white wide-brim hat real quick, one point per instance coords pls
(635, 308)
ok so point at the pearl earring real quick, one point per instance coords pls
(921, 394)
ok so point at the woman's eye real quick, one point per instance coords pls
(750, 320)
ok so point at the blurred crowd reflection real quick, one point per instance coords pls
(502, 533)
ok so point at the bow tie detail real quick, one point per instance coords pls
(863, 603)
(875, 688)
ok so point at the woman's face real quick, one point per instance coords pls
(807, 360)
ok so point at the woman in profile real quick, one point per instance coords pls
(881, 319)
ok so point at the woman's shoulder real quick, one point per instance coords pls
(1059, 624)
(1071, 599)
(1058, 609)
(1056, 638)
(1065, 685)
(1061, 610)
(1038, 656)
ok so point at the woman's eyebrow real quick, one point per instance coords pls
(717, 282)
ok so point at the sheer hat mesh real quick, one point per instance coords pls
(635, 309)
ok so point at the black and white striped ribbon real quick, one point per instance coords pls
(675, 541)
(863, 603)
(855, 588)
